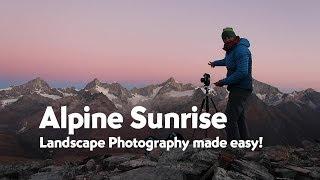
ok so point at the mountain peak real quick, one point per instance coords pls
(93, 83)
(37, 83)
(309, 90)
(171, 80)
(37, 80)
(96, 81)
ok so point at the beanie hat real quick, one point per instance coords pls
(228, 33)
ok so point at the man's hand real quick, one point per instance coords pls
(211, 64)
(218, 83)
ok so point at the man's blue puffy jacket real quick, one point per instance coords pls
(238, 62)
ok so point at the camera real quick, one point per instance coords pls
(205, 79)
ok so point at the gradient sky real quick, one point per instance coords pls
(139, 42)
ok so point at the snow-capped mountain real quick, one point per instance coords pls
(35, 86)
(114, 91)
(274, 97)
(308, 97)
(270, 111)
(267, 93)
(168, 89)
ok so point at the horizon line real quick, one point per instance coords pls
(128, 85)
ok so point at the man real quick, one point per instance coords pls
(238, 62)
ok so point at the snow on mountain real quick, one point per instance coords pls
(6, 89)
(271, 113)
(137, 98)
(165, 92)
(114, 92)
(308, 97)
(35, 86)
(69, 91)
(105, 91)
(6, 102)
(160, 92)
(273, 96)
(267, 93)
(261, 96)
(180, 93)
(51, 96)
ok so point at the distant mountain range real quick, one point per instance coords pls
(281, 118)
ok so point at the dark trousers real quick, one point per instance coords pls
(236, 127)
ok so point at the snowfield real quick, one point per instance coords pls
(51, 96)
(180, 93)
(137, 98)
(6, 89)
(6, 102)
(106, 92)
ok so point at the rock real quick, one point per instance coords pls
(91, 165)
(97, 158)
(299, 169)
(238, 176)
(136, 163)
(47, 176)
(226, 159)
(148, 173)
(70, 172)
(301, 153)
(51, 169)
(251, 169)
(315, 172)
(91, 176)
(237, 152)
(307, 145)
(191, 162)
(113, 161)
(155, 154)
(175, 155)
(207, 156)
(209, 173)
(99, 168)
(22, 170)
(188, 168)
(81, 169)
(220, 174)
(285, 173)
(80, 177)
(276, 153)
(314, 159)
(97, 177)
(252, 155)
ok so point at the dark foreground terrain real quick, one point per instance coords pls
(275, 162)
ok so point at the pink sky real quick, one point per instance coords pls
(150, 41)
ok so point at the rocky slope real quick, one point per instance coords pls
(276, 162)
(281, 118)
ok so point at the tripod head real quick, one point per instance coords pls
(207, 89)
(205, 79)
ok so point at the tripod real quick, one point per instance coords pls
(205, 101)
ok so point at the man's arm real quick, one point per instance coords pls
(242, 70)
(221, 62)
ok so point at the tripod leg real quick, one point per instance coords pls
(199, 112)
(207, 104)
(207, 110)
(214, 105)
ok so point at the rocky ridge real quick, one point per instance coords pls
(275, 162)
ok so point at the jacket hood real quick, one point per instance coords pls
(244, 42)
